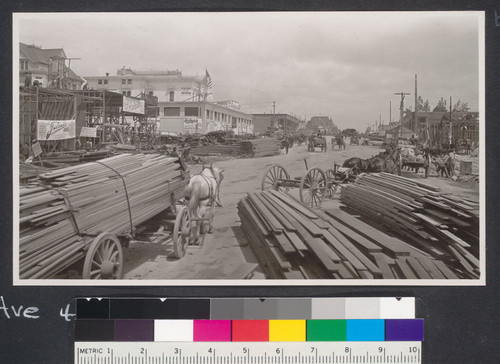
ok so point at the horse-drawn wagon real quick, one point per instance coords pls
(412, 158)
(82, 217)
(317, 142)
(314, 186)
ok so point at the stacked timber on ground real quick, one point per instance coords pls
(444, 226)
(218, 149)
(292, 241)
(261, 147)
(60, 210)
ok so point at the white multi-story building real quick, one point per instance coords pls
(185, 102)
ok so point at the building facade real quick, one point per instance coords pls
(46, 68)
(285, 122)
(185, 103)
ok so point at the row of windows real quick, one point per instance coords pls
(126, 81)
(176, 111)
(100, 82)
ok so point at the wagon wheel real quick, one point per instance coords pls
(427, 166)
(331, 183)
(313, 187)
(180, 234)
(104, 259)
(273, 175)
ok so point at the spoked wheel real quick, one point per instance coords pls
(180, 235)
(331, 184)
(313, 187)
(272, 178)
(104, 259)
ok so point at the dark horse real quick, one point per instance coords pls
(360, 164)
(384, 162)
(387, 161)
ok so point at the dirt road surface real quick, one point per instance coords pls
(226, 253)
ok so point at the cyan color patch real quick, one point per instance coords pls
(365, 330)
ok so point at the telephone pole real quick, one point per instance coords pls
(401, 109)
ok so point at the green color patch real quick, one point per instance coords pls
(326, 330)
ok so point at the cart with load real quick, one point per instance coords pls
(317, 142)
(314, 186)
(412, 158)
(89, 213)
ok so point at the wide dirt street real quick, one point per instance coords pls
(226, 252)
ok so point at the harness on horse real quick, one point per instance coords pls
(210, 186)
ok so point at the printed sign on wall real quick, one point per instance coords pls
(192, 125)
(56, 129)
(133, 105)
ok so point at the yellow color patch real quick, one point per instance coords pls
(287, 330)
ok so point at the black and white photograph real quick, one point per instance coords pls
(249, 148)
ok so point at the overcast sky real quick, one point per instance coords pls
(343, 65)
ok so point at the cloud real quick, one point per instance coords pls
(344, 65)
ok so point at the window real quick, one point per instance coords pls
(124, 93)
(234, 122)
(99, 82)
(171, 96)
(129, 93)
(24, 65)
(124, 81)
(172, 111)
(105, 82)
(129, 81)
(191, 111)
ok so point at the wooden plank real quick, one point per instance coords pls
(383, 265)
(405, 269)
(417, 268)
(433, 271)
(447, 272)
(391, 244)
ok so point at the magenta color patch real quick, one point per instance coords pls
(212, 330)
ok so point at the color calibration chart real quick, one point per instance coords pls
(247, 331)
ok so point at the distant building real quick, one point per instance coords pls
(324, 122)
(46, 68)
(184, 102)
(436, 126)
(285, 122)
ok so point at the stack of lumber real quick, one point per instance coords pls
(261, 147)
(444, 226)
(292, 241)
(217, 149)
(61, 208)
(76, 156)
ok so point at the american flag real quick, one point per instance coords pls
(207, 80)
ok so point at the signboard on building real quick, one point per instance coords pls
(135, 106)
(56, 129)
(88, 132)
(186, 91)
(192, 125)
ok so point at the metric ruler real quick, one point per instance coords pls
(311, 352)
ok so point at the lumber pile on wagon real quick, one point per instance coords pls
(444, 226)
(292, 241)
(60, 209)
(260, 147)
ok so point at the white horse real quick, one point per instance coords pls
(201, 193)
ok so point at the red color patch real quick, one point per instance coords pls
(250, 330)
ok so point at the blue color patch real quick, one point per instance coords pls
(365, 330)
